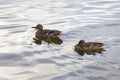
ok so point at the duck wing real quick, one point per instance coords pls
(46, 31)
(94, 45)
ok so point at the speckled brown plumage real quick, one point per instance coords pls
(44, 32)
(88, 46)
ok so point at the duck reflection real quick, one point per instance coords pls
(82, 53)
(90, 48)
(48, 39)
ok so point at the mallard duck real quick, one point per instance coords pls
(45, 32)
(83, 46)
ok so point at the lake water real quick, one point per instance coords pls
(91, 20)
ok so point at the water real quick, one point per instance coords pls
(91, 20)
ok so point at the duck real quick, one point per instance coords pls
(89, 47)
(44, 33)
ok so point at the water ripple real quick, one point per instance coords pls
(90, 20)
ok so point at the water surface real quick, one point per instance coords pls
(91, 20)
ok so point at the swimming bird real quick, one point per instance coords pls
(45, 32)
(83, 46)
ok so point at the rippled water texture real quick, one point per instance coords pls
(91, 20)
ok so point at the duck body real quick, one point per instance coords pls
(45, 32)
(89, 46)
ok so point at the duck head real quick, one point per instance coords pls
(39, 27)
(81, 42)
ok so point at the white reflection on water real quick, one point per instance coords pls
(21, 59)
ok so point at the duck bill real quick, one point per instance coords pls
(34, 27)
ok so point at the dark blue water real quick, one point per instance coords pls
(91, 20)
